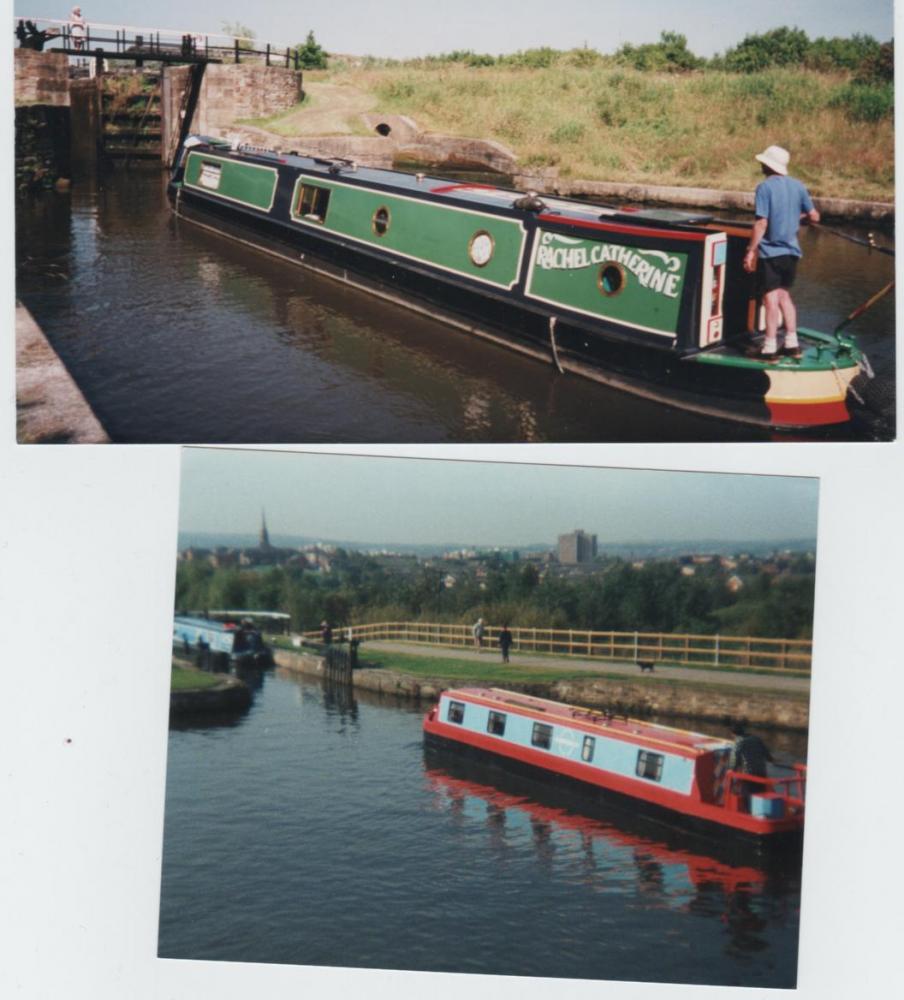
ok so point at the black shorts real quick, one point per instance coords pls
(775, 272)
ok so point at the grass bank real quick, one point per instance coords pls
(499, 674)
(602, 122)
(186, 679)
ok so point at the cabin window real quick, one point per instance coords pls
(588, 748)
(541, 736)
(380, 221)
(456, 712)
(480, 248)
(611, 279)
(313, 202)
(649, 765)
(496, 723)
(210, 175)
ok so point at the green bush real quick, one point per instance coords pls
(865, 103)
(310, 54)
(584, 57)
(779, 47)
(826, 54)
(879, 66)
(669, 54)
(541, 58)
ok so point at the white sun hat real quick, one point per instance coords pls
(775, 159)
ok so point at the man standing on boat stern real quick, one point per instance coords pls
(773, 252)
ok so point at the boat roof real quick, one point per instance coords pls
(683, 741)
(484, 195)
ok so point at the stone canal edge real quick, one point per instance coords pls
(651, 695)
(50, 407)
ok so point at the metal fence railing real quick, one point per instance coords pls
(130, 42)
(732, 651)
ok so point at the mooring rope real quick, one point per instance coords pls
(554, 345)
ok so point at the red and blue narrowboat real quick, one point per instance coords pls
(654, 302)
(682, 778)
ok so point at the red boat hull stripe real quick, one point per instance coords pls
(614, 227)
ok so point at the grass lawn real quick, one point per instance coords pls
(499, 674)
(184, 679)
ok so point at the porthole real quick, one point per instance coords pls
(380, 221)
(611, 279)
(480, 248)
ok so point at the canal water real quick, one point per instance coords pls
(178, 335)
(316, 830)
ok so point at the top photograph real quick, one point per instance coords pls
(382, 224)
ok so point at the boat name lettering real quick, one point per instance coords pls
(664, 278)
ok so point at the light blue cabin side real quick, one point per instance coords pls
(614, 756)
(186, 630)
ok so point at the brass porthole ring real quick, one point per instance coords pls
(611, 279)
(481, 247)
(381, 221)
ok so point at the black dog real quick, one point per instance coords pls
(645, 665)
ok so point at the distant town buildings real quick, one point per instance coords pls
(577, 548)
(575, 555)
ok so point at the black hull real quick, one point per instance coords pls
(636, 815)
(597, 352)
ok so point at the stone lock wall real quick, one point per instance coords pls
(42, 78)
(228, 92)
(42, 119)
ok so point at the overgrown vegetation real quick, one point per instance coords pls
(655, 598)
(658, 113)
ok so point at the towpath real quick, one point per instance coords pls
(727, 678)
(328, 109)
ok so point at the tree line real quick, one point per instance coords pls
(657, 597)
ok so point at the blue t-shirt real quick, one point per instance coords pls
(781, 200)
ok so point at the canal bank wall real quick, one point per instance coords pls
(50, 407)
(643, 697)
(229, 696)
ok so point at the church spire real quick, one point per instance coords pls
(264, 537)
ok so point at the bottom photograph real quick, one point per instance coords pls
(494, 718)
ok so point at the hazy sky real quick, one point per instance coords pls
(403, 28)
(392, 500)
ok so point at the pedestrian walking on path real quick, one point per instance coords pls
(477, 630)
(505, 642)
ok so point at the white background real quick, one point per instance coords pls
(87, 563)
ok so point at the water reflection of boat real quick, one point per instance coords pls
(612, 855)
(673, 776)
(653, 302)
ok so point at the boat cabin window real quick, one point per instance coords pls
(210, 175)
(496, 723)
(456, 712)
(312, 202)
(611, 279)
(649, 765)
(588, 748)
(380, 221)
(541, 736)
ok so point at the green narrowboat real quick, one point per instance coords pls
(652, 302)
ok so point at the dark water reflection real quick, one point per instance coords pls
(177, 335)
(319, 831)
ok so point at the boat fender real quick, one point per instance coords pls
(554, 345)
(530, 202)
